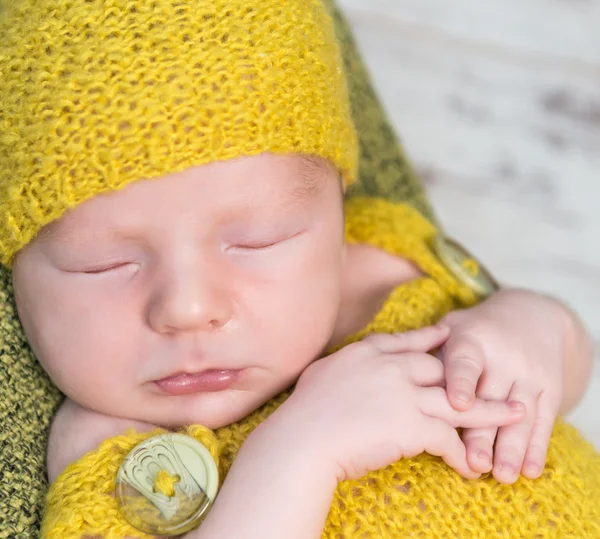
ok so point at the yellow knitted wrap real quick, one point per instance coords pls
(419, 497)
(95, 94)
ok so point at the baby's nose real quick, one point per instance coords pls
(190, 300)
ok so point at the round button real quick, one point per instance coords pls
(464, 266)
(166, 484)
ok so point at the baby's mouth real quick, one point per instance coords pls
(203, 382)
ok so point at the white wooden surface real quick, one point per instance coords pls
(498, 105)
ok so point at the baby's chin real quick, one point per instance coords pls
(214, 411)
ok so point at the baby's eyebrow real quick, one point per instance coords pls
(311, 177)
(51, 232)
(54, 232)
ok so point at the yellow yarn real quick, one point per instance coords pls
(82, 500)
(165, 482)
(96, 94)
(471, 266)
(419, 497)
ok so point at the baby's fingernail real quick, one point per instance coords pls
(442, 327)
(531, 468)
(483, 456)
(508, 469)
(462, 396)
(516, 406)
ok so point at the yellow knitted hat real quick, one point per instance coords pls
(96, 94)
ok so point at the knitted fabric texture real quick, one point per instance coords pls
(98, 94)
(384, 170)
(88, 486)
(419, 497)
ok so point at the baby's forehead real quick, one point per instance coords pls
(258, 183)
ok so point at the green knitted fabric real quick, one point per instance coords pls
(384, 169)
(28, 399)
(27, 402)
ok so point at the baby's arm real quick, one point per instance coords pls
(271, 480)
(266, 467)
(275, 488)
(366, 406)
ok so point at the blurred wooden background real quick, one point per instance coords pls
(498, 105)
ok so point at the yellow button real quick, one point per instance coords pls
(464, 266)
(167, 484)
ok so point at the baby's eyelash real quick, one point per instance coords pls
(256, 247)
(96, 271)
(267, 244)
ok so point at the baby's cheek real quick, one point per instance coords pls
(88, 364)
(308, 328)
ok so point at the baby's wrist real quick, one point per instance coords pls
(288, 437)
(283, 486)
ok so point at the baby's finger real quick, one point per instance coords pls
(480, 442)
(420, 340)
(480, 448)
(444, 442)
(426, 370)
(535, 457)
(463, 361)
(512, 441)
(483, 414)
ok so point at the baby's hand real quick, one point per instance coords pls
(509, 347)
(379, 400)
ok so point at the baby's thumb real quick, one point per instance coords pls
(443, 441)
(463, 366)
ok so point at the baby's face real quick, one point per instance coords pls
(189, 299)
